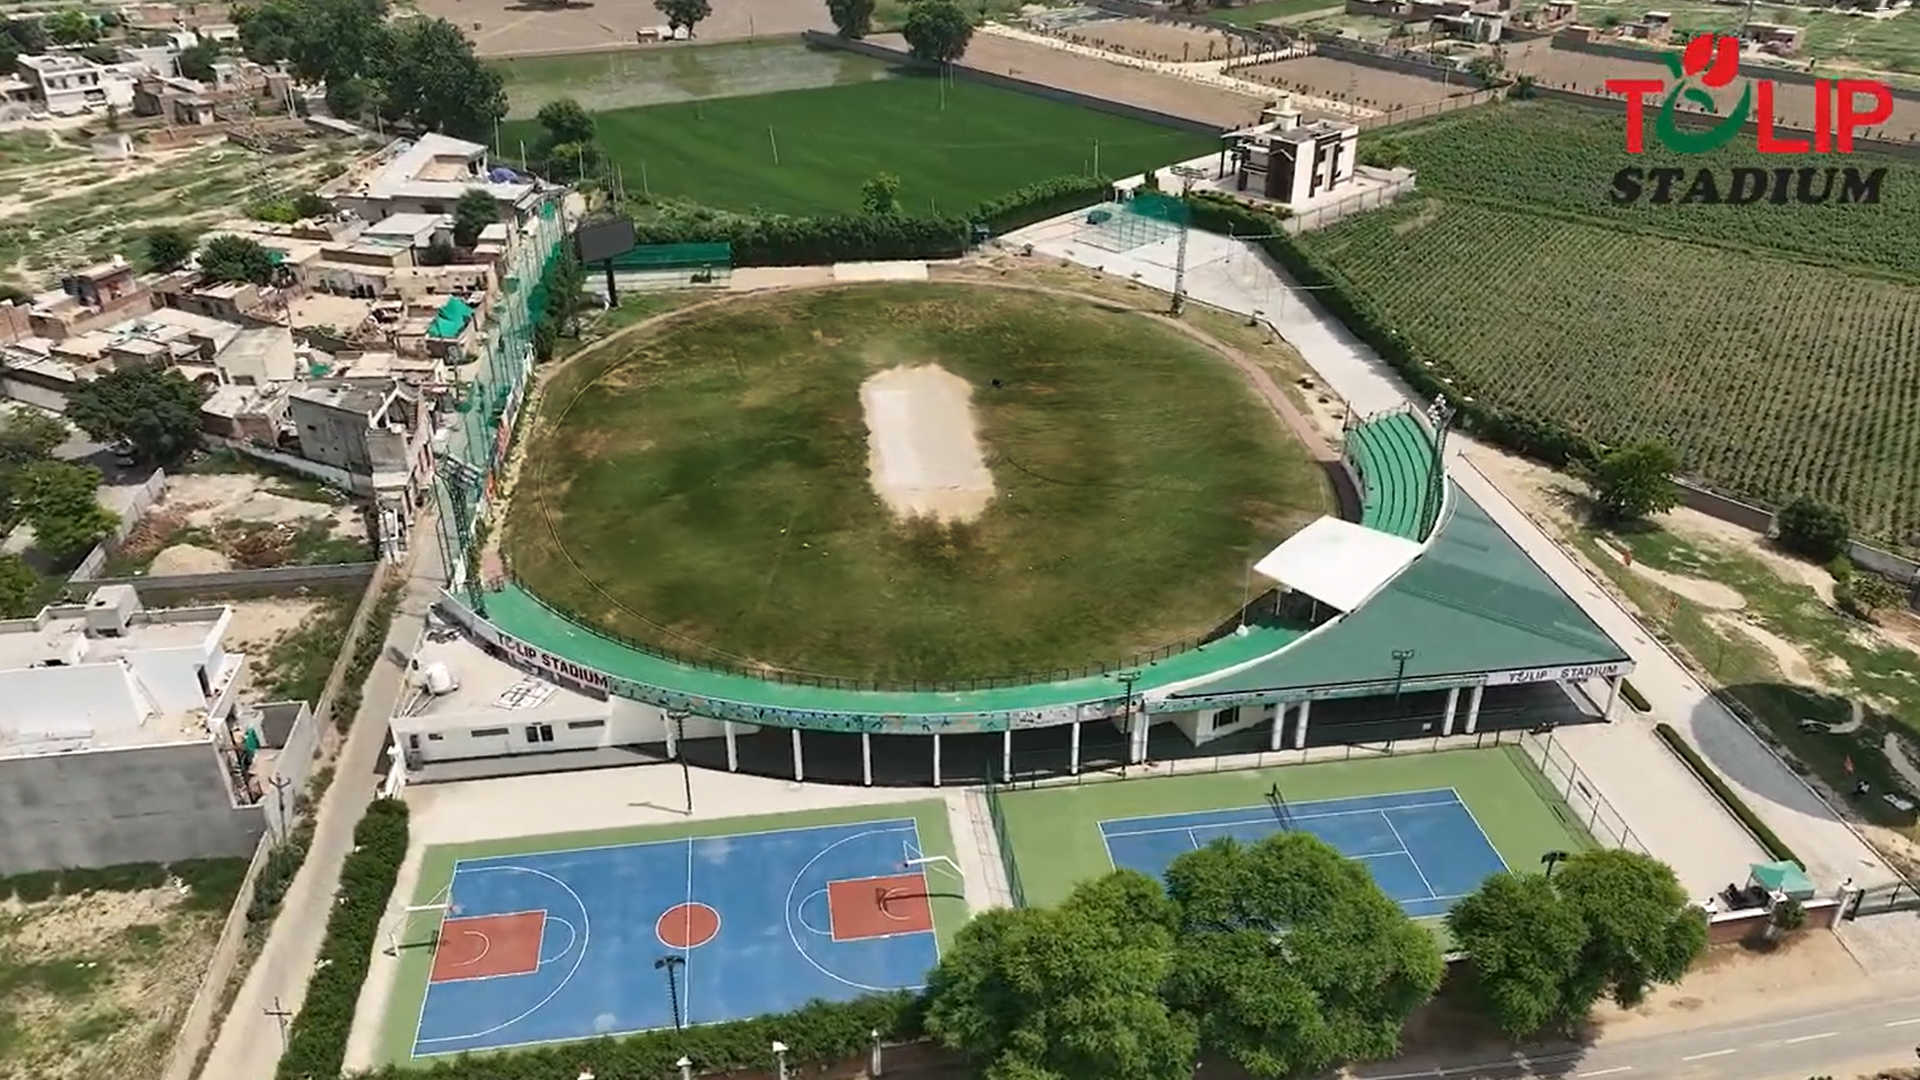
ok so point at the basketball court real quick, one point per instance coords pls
(1423, 848)
(570, 944)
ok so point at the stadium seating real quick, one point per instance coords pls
(1393, 455)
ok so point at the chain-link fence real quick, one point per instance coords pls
(999, 816)
(1573, 797)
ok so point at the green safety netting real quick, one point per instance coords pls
(451, 319)
(675, 257)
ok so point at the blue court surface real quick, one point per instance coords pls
(1423, 847)
(573, 944)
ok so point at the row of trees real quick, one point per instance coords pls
(421, 72)
(1286, 958)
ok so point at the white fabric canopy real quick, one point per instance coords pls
(1337, 562)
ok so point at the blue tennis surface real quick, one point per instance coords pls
(588, 934)
(1423, 847)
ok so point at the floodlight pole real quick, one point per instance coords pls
(1127, 679)
(1440, 414)
(1400, 658)
(1187, 174)
(671, 963)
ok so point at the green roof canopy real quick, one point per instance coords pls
(1784, 876)
(452, 319)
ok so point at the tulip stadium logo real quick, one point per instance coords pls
(1841, 107)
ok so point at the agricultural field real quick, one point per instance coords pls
(1270, 11)
(1561, 158)
(63, 209)
(1889, 43)
(1771, 378)
(809, 151)
(634, 78)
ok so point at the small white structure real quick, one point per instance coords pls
(113, 146)
(1292, 160)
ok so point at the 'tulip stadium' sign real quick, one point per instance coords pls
(1575, 673)
(546, 661)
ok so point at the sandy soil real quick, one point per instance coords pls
(1114, 82)
(1732, 982)
(1156, 41)
(258, 623)
(209, 500)
(1708, 594)
(189, 559)
(1351, 83)
(924, 457)
(1793, 664)
(518, 28)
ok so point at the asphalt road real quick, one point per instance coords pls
(1840, 1039)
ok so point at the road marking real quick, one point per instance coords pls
(1608, 1072)
(1809, 1038)
(1712, 1054)
(1903, 1023)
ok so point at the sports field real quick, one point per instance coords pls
(1777, 354)
(1429, 827)
(641, 77)
(809, 151)
(573, 936)
(712, 489)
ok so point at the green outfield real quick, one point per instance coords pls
(594, 858)
(1056, 843)
(809, 151)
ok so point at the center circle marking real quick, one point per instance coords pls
(687, 926)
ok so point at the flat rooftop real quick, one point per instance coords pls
(63, 637)
(490, 685)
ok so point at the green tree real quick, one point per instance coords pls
(565, 121)
(852, 19)
(306, 204)
(435, 81)
(62, 503)
(1642, 929)
(29, 37)
(1526, 944)
(1291, 958)
(9, 54)
(14, 294)
(938, 30)
(1635, 481)
(71, 26)
(471, 215)
(236, 258)
(29, 436)
(687, 13)
(1812, 528)
(1864, 594)
(880, 194)
(17, 585)
(1066, 992)
(437, 253)
(196, 60)
(157, 411)
(168, 247)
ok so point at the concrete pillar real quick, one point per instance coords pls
(1473, 709)
(733, 747)
(1006, 754)
(936, 759)
(673, 744)
(1073, 765)
(1453, 706)
(866, 758)
(1137, 738)
(1300, 733)
(1279, 726)
(799, 767)
(1613, 695)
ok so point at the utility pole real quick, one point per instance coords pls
(1187, 174)
(282, 1014)
(1127, 679)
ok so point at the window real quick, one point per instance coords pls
(433, 738)
(582, 725)
(539, 733)
(1225, 718)
(488, 732)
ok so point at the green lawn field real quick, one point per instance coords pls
(1264, 10)
(705, 490)
(1054, 832)
(808, 151)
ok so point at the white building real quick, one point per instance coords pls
(68, 85)
(122, 738)
(428, 176)
(1291, 160)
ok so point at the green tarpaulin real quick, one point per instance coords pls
(1784, 877)
(452, 319)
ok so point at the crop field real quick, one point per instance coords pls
(1889, 43)
(809, 151)
(1562, 158)
(1770, 378)
(1776, 348)
(1269, 11)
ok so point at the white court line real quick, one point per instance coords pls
(486, 946)
(1903, 1023)
(1263, 818)
(1711, 1054)
(1809, 1038)
(572, 936)
(890, 825)
(686, 954)
(1401, 840)
(800, 915)
(1449, 792)
(1484, 838)
(788, 910)
(586, 931)
(1607, 1072)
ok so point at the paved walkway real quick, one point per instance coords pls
(249, 1044)
(1620, 759)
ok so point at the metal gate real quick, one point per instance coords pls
(1884, 900)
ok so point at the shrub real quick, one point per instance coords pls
(1814, 529)
(1634, 697)
(1734, 804)
(1038, 202)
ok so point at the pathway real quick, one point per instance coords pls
(249, 1044)
(1232, 275)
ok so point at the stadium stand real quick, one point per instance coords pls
(1393, 456)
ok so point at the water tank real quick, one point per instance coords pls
(440, 680)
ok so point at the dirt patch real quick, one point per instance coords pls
(517, 28)
(257, 624)
(189, 559)
(207, 500)
(1352, 84)
(1731, 983)
(1151, 40)
(1707, 594)
(1793, 664)
(1098, 78)
(924, 455)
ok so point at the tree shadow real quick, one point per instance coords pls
(1793, 734)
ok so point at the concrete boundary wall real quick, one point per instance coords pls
(323, 574)
(1005, 82)
(1333, 49)
(141, 500)
(197, 1027)
(362, 615)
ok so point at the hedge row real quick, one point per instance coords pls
(1734, 804)
(212, 883)
(777, 240)
(1634, 697)
(317, 1042)
(1540, 439)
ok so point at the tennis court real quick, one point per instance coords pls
(1429, 826)
(564, 940)
(1423, 848)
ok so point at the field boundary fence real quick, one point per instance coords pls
(1372, 198)
(1572, 796)
(1436, 107)
(997, 814)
